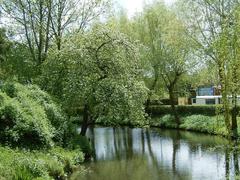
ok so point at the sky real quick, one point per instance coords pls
(133, 6)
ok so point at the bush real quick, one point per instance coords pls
(164, 121)
(29, 117)
(55, 163)
(201, 123)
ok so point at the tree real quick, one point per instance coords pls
(166, 49)
(102, 77)
(71, 15)
(177, 51)
(213, 31)
(33, 18)
(38, 22)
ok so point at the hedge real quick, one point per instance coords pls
(208, 110)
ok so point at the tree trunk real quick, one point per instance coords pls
(85, 120)
(225, 101)
(234, 126)
(147, 106)
(173, 107)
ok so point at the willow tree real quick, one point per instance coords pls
(102, 77)
(149, 27)
(230, 46)
(177, 60)
(165, 49)
(213, 27)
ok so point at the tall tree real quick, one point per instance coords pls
(33, 18)
(166, 49)
(211, 25)
(102, 77)
(41, 21)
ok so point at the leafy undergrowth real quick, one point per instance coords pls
(29, 117)
(55, 163)
(200, 123)
(32, 129)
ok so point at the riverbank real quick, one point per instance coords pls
(56, 163)
(199, 123)
(213, 125)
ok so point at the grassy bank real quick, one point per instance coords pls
(55, 163)
(199, 123)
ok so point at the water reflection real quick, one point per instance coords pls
(132, 154)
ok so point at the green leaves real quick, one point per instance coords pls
(101, 69)
(28, 116)
(55, 163)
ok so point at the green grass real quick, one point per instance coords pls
(55, 163)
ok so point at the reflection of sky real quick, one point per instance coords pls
(192, 159)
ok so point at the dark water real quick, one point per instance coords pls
(153, 154)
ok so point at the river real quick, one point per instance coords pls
(158, 154)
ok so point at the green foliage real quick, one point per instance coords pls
(19, 63)
(23, 165)
(15, 60)
(4, 49)
(101, 69)
(165, 121)
(199, 123)
(28, 116)
(81, 142)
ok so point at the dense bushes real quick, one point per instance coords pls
(28, 116)
(32, 122)
(207, 110)
(212, 125)
(55, 163)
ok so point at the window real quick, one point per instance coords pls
(205, 91)
(210, 101)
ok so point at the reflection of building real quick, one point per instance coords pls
(209, 95)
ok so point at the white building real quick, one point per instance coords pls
(208, 100)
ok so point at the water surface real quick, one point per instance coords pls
(153, 154)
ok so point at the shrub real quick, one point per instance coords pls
(164, 121)
(81, 142)
(29, 117)
(55, 163)
(201, 123)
